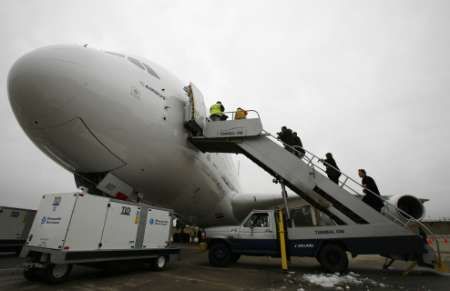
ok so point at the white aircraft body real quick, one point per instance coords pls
(117, 123)
(97, 112)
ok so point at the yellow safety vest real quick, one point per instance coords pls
(215, 109)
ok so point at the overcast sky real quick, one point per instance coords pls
(368, 81)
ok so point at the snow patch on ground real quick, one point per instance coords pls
(339, 281)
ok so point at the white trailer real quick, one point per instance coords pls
(14, 226)
(79, 228)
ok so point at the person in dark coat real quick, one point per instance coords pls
(284, 134)
(332, 168)
(373, 196)
(291, 141)
(298, 145)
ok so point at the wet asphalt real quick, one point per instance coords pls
(192, 272)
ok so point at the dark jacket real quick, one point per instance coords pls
(285, 135)
(373, 196)
(297, 142)
(332, 169)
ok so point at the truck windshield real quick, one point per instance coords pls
(258, 220)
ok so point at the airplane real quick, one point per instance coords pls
(117, 123)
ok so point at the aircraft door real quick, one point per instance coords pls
(195, 111)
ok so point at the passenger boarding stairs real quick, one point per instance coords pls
(307, 178)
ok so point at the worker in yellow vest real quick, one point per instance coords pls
(216, 112)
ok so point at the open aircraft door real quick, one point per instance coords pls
(195, 115)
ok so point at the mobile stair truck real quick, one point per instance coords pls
(79, 228)
(353, 226)
(15, 223)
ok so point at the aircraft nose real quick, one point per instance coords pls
(41, 86)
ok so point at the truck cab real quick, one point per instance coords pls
(256, 235)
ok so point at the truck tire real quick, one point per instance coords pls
(219, 255)
(57, 273)
(333, 258)
(160, 263)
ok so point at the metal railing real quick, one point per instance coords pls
(250, 114)
(345, 181)
(349, 184)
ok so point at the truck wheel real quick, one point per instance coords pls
(32, 274)
(219, 255)
(160, 263)
(235, 257)
(57, 273)
(333, 258)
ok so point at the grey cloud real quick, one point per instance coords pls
(366, 80)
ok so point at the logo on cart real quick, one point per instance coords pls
(157, 221)
(56, 202)
(51, 220)
(126, 210)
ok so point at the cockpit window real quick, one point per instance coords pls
(136, 62)
(115, 54)
(143, 66)
(150, 70)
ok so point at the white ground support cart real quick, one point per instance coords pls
(14, 226)
(79, 228)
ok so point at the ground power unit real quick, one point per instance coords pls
(79, 228)
(14, 226)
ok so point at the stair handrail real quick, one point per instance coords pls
(233, 113)
(310, 160)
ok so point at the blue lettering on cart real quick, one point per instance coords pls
(156, 221)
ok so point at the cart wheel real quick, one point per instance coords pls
(219, 255)
(333, 258)
(57, 273)
(160, 263)
(32, 274)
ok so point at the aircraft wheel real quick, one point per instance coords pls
(57, 273)
(333, 258)
(219, 255)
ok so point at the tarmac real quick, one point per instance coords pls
(192, 272)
